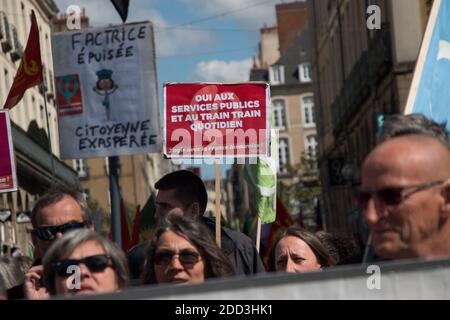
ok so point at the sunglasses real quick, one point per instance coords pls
(392, 196)
(49, 233)
(188, 258)
(95, 263)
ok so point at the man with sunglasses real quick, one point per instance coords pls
(405, 194)
(60, 210)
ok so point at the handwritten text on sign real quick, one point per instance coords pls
(106, 91)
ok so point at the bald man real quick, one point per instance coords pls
(405, 195)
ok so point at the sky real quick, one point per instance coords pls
(195, 40)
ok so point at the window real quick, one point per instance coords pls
(50, 77)
(276, 74)
(5, 72)
(279, 114)
(81, 167)
(311, 146)
(308, 111)
(41, 108)
(107, 166)
(283, 155)
(86, 194)
(2, 232)
(305, 72)
(311, 152)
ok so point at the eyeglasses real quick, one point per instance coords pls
(49, 233)
(95, 263)
(392, 196)
(188, 258)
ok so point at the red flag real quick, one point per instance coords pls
(30, 69)
(283, 220)
(124, 231)
(299, 220)
(136, 228)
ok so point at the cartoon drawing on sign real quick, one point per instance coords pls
(105, 87)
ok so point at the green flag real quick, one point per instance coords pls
(262, 177)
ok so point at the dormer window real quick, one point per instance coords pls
(276, 74)
(305, 72)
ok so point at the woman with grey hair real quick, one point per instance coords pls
(83, 262)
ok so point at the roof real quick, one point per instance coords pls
(300, 51)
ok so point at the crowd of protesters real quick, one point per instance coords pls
(404, 197)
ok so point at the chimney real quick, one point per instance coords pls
(291, 20)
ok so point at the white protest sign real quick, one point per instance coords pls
(106, 91)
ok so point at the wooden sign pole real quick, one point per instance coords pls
(218, 213)
(258, 234)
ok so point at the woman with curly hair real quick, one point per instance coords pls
(183, 251)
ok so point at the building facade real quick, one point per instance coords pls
(37, 167)
(284, 60)
(362, 74)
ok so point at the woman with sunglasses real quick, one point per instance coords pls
(183, 251)
(297, 250)
(82, 262)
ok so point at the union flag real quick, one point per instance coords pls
(29, 73)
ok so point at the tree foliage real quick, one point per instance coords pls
(302, 195)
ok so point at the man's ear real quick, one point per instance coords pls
(445, 212)
(194, 209)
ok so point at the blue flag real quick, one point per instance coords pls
(430, 89)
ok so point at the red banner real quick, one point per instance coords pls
(8, 180)
(29, 73)
(214, 120)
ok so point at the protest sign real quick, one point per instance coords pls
(106, 91)
(213, 120)
(8, 179)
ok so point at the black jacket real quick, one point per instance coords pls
(239, 248)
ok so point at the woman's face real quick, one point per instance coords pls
(176, 260)
(94, 275)
(105, 84)
(292, 254)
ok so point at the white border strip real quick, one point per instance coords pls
(11, 153)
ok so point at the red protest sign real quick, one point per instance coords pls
(8, 180)
(214, 120)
